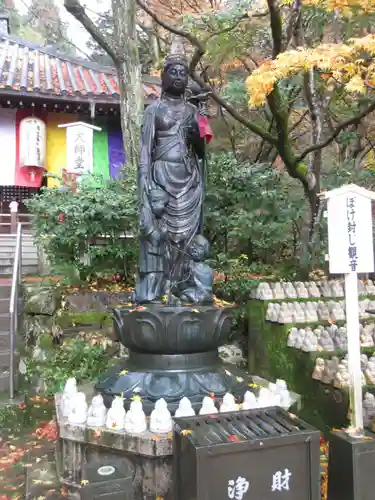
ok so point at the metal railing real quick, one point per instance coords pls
(13, 307)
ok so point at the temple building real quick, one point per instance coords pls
(57, 115)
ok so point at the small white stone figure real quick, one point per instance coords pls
(290, 291)
(337, 312)
(208, 406)
(300, 338)
(160, 420)
(367, 336)
(78, 409)
(364, 362)
(301, 290)
(326, 289)
(330, 369)
(368, 408)
(323, 312)
(337, 289)
(278, 291)
(310, 342)
(364, 305)
(341, 339)
(116, 415)
(249, 401)
(370, 373)
(313, 290)
(341, 379)
(185, 409)
(264, 292)
(318, 369)
(361, 288)
(70, 390)
(326, 342)
(298, 314)
(228, 404)
(97, 413)
(292, 337)
(272, 312)
(311, 312)
(135, 419)
(285, 315)
(267, 398)
(370, 288)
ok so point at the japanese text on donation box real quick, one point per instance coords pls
(350, 240)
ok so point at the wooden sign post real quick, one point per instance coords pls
(351, 251)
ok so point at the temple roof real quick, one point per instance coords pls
(29, 69)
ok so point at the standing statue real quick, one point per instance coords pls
(171, 188)
(173, 341)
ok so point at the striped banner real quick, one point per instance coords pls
(108, 153)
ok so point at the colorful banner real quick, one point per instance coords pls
(108, 156)
(116, 153)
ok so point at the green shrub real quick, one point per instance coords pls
(71, 226)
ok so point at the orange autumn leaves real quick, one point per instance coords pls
(341, 64)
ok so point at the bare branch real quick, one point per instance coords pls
(76, 10)
(352, 121)
(200, 49)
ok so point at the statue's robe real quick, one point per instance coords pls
(170, 158)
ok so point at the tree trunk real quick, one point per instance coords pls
(129, 75)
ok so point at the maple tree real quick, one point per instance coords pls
(308, 70)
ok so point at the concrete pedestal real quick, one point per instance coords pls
(143, 461)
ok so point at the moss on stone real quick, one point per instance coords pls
(69, 319)
(324, 406)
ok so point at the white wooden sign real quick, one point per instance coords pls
(79, 147)
(351, 251)
(350, 240)
(32, 142)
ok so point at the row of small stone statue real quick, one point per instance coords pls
(309, 289)
(335, 371)
(368, 409)
(330, 338)
(312, 312)
(74, 408)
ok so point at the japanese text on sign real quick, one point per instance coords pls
(352, 249)
(237, 488)
(350, 243)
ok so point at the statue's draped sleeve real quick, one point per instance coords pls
(147, 145)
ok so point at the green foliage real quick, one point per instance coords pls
(251, 210)
(84, 231)
(74, 358)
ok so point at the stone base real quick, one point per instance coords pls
(351, 466)
(172, 377)
(146, 457)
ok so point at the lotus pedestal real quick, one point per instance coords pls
(173, 352)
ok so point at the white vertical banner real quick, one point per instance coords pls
(350, 240)
(8, 146)
(79, 147)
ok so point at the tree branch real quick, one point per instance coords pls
(352, 121)
(200, 49)
(76, 10)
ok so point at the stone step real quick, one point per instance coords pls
(5, 290)
(4, 381)
(4, 322)
(4, 360)
(4, 305)
(27, 260)
(4, 340)
(7, 271)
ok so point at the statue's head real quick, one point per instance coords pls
(199, 248)
(158, 201)
(175, 73)
(174, 78)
